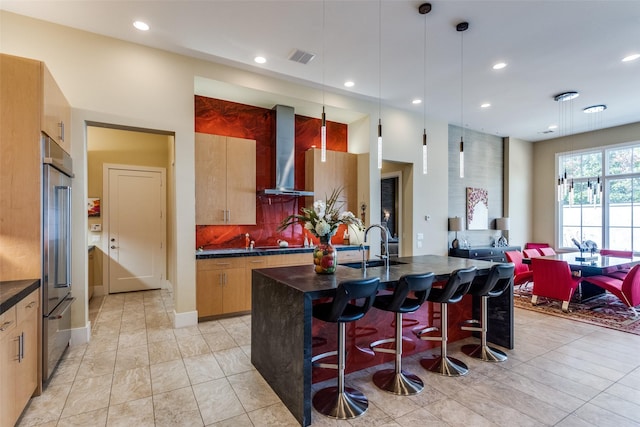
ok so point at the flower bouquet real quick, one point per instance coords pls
(323, 221)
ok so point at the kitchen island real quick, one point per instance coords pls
(284, 336)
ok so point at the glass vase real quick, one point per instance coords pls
(325, 256)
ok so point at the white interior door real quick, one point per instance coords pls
(136, 229)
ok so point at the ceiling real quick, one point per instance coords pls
(549, 47)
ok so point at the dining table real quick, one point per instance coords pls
(587, 264)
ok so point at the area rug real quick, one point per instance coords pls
(605, 310)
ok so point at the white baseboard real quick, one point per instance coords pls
(167, 285)
(80, 335)
(182, 320)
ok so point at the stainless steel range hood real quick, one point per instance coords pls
(285, 155)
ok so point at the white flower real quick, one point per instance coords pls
(319, 207)
(308, 226)
(347, 216)
(322, 228)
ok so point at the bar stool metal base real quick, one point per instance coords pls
(484, 353)
(343, 406)
(447, 366)
(402, 383)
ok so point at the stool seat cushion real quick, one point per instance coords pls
(324, 312)
(383, 302)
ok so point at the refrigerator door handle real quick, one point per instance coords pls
(66, 231)
(61, 309)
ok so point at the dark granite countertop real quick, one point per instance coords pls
(306, 280)
(11, 292)
(226, 253)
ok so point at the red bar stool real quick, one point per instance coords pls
(456, 287)
(343, 402)
(396, 380)
(500, 279)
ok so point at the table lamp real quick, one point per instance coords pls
(503, 225)
(455, 224)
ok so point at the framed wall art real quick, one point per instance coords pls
(477, 209)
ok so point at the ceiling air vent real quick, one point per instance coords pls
(301, 56)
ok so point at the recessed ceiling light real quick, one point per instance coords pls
(140, 25)
(349, 83)
(416, 101)
(499, 65)
(631, 57)
(551, 127)
(595, 109)
(485, 105)
(260, 59)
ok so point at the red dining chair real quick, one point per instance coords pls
(553, 279)
(546, 251)
(522, 274)
(530, 245)
(627, 290)
(622, 271)
(531, 253)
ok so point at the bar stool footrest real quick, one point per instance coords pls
(343, 406)
(375, 346)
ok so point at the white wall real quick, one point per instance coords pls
(111, 81)
(518, 197)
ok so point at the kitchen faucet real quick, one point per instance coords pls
(384, 233)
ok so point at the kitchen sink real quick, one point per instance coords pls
(372, 263)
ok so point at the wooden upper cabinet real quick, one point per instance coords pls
(339, 171)
(225, 170)
(56, 112)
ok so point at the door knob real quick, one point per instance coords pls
(113, 246)
(113, 240)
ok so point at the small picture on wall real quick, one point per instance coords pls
(477, 209)
(93, 206)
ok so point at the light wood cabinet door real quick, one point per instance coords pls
(241, 181)
(27, 365)
(211, 179)
(208, 292)
(221, 286)
(8, 359)
(339, 171)
(234, 290)
(225, 170)
(56, 112)
(252, 264)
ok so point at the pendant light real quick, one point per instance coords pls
(379, 84)
(424, 9)
(461, 28)
(565, 121)
(323, 126)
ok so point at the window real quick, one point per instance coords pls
(600, 200)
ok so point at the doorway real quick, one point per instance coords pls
(138, 149)
(390, 209)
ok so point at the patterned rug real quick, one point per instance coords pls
(605, 310)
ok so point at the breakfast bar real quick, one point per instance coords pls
(284, 336)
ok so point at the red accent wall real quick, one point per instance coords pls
(215, 116)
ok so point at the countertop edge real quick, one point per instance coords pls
(14, 291)
(233, 253)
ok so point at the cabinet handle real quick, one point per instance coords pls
(21, 347)
(61, 126)
(5, 325)
(31, 304)
(229, 216)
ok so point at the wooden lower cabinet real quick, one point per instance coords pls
(221, 286)
(18, 357)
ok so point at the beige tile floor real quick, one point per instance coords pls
(138, 371)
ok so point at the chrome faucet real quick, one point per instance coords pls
(384, 233)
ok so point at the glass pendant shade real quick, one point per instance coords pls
(323, 137)
(424, 152)
(461, 158)
(379, 143)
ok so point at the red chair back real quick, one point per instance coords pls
(631, 286)
(515, 257)
(531, 253)
(616, 253)
(546, 251)
(552, 279)
(536, 245)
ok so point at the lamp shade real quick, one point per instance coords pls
(455, 224)
(502, 223)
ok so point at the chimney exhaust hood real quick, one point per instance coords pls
(285, 155)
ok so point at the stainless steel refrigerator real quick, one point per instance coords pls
(56, 251)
